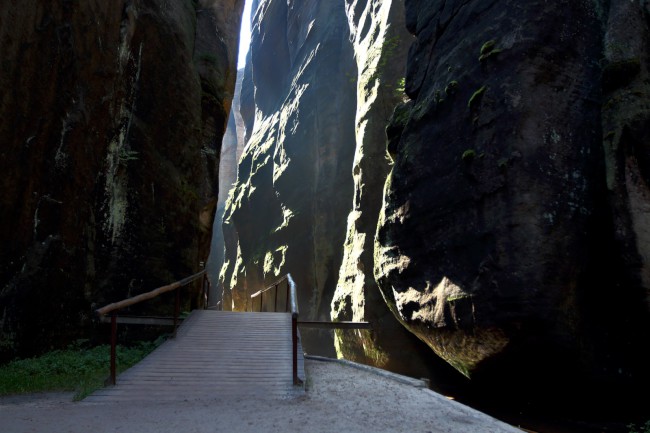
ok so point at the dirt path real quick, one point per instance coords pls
(339, 398)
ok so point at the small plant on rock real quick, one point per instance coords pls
(476, 97)
(488, 49)
(468, 155)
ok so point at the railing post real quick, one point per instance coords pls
(294, 327)
(294, 339)
(261, 301)
(206, 291)
(275, 306)
(113, 348)
(177, 308)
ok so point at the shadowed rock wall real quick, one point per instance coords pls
(111, 117)
(509, 241)
(295, 181)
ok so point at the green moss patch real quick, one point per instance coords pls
(488, 49)
(72, 369)
(476, 97)
(468, 155)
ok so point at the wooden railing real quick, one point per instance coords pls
(290, 306)
(116, 306)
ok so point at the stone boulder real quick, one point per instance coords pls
(503, 243)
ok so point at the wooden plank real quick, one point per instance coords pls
(215, 355)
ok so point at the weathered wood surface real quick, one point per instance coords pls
(216, 354)
(148, 295)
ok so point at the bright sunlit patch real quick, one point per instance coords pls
(245, 35)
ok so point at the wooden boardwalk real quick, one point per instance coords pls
(216, 354)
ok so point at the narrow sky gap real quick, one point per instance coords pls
(244, 35)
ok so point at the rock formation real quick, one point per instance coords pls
(511, 236)
(111, 117)
(231, 149)
(295, 181)
(381, 42)
(516, 172)
(503, 243)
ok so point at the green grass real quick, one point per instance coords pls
(73, 369)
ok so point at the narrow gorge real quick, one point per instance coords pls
(468, 178)
(471, 177)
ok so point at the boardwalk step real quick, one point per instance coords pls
(216, 354)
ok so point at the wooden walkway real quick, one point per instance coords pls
(216, 354)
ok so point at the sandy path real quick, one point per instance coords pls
(339, 398)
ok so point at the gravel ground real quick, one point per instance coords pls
(339, 398)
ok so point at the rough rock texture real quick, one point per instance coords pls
(626, 134)
(495, 244)
(231, 150)
(295, 179)
(111, 117)
(381, 42)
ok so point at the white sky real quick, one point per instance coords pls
(245, 35)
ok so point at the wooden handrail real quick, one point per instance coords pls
(292, 308)
(111, 308)
(343, 324)
(272, 286)
(148, 295)
(294, 296)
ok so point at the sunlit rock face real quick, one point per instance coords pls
(381, 41)
(295, 178)
(231, 149)
(497, 243)
(111, 117)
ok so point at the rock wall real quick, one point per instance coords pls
(509, 241)
(381, 41)
(295, 181)
(111, 117)
(626, 134)
(231, 149)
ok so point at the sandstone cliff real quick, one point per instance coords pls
(380, 41)
(231, 149)
(111, 117)
(513, 204)
(314, 70)
(294, 182)
(509, 241)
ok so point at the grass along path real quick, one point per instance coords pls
(73, 369)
